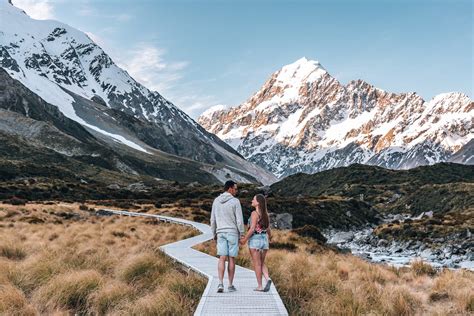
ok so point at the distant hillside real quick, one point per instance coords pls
(440, 187)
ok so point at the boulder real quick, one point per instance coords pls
(394, 197)
(113, 186)
(281, 221)
(284, 221)
(138, 187)
(273, 221)
(470, 256)
(365, 256)
(341, 237)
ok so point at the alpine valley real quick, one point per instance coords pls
(305, 120)
(76, 128)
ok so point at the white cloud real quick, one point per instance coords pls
(123, 17)
(37, 9)
(146, 64)
(90, 11)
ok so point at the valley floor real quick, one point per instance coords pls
(60, 258)
(313, 280)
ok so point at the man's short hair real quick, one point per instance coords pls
(229, 184)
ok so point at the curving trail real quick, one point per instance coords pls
(243, 302)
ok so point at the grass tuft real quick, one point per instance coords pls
(71, 290)
(421, 268)
(12, 251)
(14, 302)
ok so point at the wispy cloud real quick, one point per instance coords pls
(146, 63)
(89, 11)
(150, 65)
(37, 9)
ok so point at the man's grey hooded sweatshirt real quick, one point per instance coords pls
(226, 215)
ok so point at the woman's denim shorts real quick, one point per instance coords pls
(259, 241)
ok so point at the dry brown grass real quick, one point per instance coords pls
(14, 302)
(419, 267)
(315, 281)
(51, 263)
(112, 265)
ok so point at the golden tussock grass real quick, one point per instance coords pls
(70, 290)
(314, 281)
(57, 264)
(12, 251)
(420, 268)
(14, 302)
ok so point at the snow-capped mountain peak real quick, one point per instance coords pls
(64, 67)
(302, 70)
(303, 119)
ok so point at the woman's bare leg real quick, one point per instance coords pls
(264, 266)
(257, 266)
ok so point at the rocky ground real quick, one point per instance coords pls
(453, 250)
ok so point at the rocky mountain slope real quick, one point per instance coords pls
(36, 139)
(66, 70)
(304, 120)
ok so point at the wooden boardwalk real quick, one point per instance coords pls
(245, 301)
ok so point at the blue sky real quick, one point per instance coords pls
(202, 53)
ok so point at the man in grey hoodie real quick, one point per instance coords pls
(227, 225)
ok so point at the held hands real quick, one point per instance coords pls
(242, 241)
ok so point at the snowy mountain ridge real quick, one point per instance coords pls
(304, 120)
(64, 67)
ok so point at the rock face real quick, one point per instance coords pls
(304, 120)
(67, 70)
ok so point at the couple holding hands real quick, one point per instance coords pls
(227, 225)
